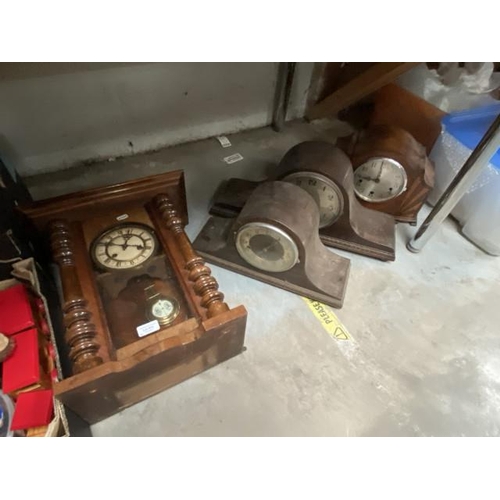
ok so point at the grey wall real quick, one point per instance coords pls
(53, 116)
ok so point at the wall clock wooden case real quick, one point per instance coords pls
(141, 309)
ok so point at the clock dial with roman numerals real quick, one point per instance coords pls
(124, 247)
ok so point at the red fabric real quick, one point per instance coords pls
(15, 310)
(33, 409)
(22, 368)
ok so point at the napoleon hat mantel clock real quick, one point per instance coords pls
(275, 240)
(325, 172)
(142, 311)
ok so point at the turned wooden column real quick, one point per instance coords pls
(80, 331)
(204, 284)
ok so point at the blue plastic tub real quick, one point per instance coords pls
(469, 126)
(478, 212)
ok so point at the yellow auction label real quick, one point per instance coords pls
(328, 320)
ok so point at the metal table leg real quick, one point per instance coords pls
(478, 159)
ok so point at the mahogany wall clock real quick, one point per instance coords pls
(325, 172)
(275, 240)
(141, 309)
(392, 173)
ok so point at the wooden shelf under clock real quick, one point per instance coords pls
(112, 368)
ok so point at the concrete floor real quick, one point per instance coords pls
(424, 358)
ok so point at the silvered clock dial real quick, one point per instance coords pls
(266, 247)
(326, 194)
(379, 179)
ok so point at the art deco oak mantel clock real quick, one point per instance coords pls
(392, 173)
(141, 309)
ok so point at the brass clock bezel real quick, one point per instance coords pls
(163, 320)
(102, 267)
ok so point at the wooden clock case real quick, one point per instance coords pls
(112, 368)
(319, 274)
(358, 229)
(388, 141)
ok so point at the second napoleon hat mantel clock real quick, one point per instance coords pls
(275, 239)
(325, 172)
(392, 173)
(142, 311)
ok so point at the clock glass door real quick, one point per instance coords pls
(137, 284)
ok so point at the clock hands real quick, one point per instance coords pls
(126, 245)
(376, 179)
(368, 178)
(126, 237)
(271, 245)
(123, 247)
